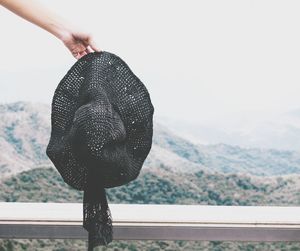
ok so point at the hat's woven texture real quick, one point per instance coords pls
(101, 133)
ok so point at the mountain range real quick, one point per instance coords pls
(25, 131)
(177, 171)
(255, 129)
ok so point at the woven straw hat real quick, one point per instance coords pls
(101, 133)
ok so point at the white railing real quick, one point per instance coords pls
(154, 222)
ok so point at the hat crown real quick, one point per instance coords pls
(102, 121)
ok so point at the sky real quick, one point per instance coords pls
(202, 61)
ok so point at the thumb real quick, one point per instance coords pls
(93, 45)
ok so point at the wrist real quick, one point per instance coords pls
(60, 31)
(60, 28)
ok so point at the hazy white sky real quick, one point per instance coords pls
(200, 60)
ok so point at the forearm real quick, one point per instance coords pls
(35, 13)
(78, 42)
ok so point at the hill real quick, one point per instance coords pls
(45, 185)
(25, 132)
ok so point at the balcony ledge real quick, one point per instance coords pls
(154, 222)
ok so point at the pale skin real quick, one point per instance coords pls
(79, 43)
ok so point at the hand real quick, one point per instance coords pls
(79, 43)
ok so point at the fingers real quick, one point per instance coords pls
(93, 45)
(89, 49)
(89, 41)
(79, 55)
(81, 44)
(76, 55)
(82, 53)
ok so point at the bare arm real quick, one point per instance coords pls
(79, 43)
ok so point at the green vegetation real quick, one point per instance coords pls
(80, 245)
(46, 185)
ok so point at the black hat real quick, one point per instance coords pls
(101, 134)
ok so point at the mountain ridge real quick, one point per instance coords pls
(25, 132)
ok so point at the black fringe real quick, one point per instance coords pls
(97, 219)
